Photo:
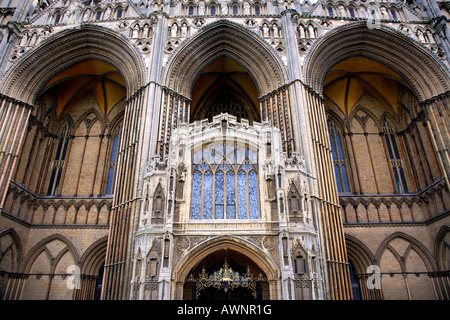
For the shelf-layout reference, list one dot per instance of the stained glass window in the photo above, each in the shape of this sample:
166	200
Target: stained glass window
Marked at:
113	161
58	163
340	165
225	182
395	159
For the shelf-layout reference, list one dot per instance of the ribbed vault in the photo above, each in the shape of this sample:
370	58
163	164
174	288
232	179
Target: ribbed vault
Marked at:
224	38
26	79
421	70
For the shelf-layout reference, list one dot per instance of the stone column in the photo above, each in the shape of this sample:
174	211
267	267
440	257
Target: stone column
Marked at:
14	117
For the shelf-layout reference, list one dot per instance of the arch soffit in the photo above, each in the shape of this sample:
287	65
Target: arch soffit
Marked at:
26	78
224	38
202	250
94	256
421	70
439	245
359	253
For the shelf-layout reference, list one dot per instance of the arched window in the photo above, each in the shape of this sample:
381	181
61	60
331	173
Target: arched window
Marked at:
235	10
119	13
352	12
59	161
112	163
57	18
191	10
257	10
225	182
330	12
213	10
394	14
340	165
395	159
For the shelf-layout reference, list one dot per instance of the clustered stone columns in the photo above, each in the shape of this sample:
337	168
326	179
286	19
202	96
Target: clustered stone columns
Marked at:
14	116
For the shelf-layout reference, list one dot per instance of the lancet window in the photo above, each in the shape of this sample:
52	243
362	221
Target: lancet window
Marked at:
113	160
225	182
60	158
340	164
395	159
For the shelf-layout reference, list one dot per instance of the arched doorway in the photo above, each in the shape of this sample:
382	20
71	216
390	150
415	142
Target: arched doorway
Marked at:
226	275
241	255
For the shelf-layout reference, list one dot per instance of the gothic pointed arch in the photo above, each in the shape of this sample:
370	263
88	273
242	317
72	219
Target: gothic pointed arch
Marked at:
11	249
27	77
224	38
420	249
40	247
94	257
260	258
425	75
442	248
358	253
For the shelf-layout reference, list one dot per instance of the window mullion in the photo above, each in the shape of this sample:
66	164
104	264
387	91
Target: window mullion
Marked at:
213	213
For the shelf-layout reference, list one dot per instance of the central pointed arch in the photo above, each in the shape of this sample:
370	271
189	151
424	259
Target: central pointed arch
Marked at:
224	38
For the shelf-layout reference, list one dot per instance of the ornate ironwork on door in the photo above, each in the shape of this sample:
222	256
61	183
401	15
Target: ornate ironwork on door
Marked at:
226	279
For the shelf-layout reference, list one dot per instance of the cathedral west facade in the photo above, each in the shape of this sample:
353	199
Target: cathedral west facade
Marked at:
224	149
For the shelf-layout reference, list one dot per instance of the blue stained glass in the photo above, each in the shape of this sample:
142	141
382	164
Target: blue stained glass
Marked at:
242	195
397	180
345	177
219	196
402	175
58	151
196	195
114	149
110	180
66	142
58	177
339	147
231	196
253	195
389	146
333	147
338	178
330	11
52	179
394	144
207	195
